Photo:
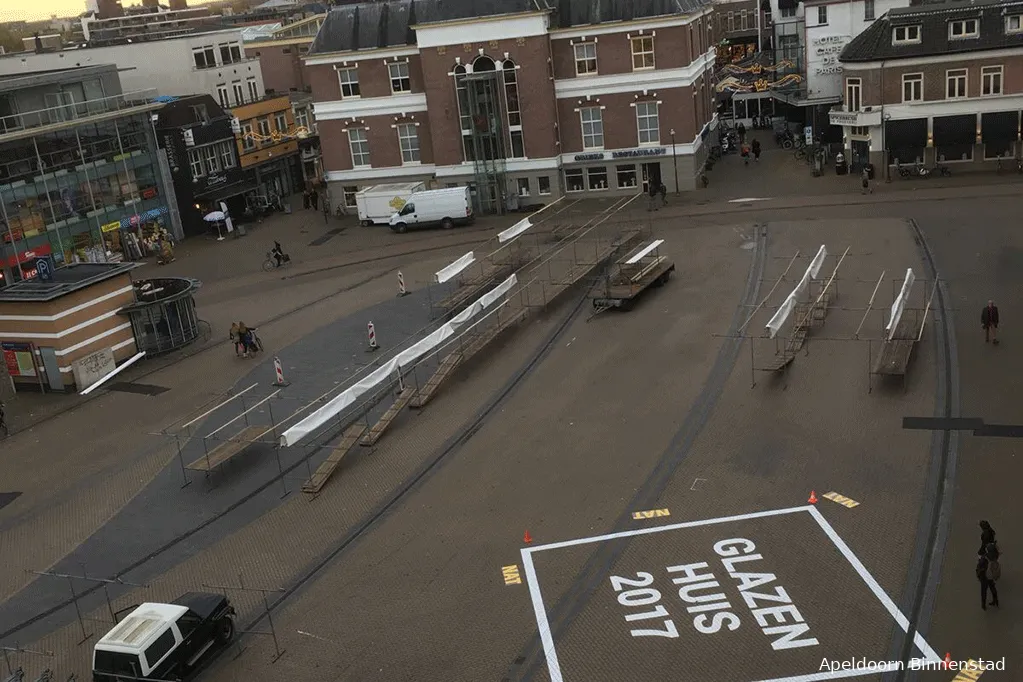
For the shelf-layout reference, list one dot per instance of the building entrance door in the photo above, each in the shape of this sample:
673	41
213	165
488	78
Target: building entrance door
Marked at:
651	173
860	155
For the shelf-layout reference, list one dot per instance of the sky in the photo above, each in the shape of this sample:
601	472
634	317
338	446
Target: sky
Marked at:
34	10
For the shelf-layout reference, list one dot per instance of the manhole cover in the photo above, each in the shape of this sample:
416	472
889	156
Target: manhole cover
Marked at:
7	498
141	389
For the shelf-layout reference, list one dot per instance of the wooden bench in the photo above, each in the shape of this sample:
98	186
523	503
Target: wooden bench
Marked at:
323	472
227	449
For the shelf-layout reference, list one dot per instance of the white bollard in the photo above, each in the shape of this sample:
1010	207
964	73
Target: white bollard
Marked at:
371	330
279	372
402	291
401	382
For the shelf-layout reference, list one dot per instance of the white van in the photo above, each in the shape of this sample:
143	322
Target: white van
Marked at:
445	207
377	204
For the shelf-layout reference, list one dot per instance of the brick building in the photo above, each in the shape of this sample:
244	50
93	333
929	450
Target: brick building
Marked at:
938	82
520	101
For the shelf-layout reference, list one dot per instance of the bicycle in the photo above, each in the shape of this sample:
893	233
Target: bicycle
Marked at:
800	153
270	263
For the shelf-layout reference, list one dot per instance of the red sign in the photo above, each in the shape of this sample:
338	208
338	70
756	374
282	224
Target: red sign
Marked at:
26	256
149	193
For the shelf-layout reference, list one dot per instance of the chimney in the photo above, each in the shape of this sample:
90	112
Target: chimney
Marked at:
110	8
151	4
178	4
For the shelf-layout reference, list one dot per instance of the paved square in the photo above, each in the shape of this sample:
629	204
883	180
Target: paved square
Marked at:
762	597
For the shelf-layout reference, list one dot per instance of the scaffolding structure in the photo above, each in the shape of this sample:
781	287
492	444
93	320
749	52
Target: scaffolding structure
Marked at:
484	93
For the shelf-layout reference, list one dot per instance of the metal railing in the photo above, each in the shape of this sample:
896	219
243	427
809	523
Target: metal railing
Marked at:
73	111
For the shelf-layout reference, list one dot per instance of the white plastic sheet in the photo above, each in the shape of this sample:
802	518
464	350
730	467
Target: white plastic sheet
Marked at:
817	262
645	251
514	231
406	357
777	320
448	272
782	314
900	303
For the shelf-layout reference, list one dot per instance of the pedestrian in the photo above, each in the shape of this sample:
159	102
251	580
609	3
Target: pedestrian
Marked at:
987	536
744	151
865	181
3	420
314	197
989	320
663	190
652	204
742	132
306	201
988	572
756	149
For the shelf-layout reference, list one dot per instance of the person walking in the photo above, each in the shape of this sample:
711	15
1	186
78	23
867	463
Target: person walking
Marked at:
865	181
989	320
987	537
756	149
663	191
652	204
988	573
742	132
3	420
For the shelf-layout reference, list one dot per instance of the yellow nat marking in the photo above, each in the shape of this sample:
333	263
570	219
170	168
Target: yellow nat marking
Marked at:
652	514
971	671
511	575
841	499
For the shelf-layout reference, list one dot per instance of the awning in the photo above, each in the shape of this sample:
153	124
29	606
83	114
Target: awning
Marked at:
227	191
910	133
999	126
146	217
955	130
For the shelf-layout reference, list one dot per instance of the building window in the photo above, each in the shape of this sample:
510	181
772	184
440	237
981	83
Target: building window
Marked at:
596	178
523	184
642	53
212	159
962	28
585	59
226	155
788	12
853	99
626	175
408	142
302	118
400	81
359	144
743	20
239	92
822	14
731	22
230	53
995	150
860	131
647	123
574	179
253	88
349	80
1014	24
281	122
868	10
223	95
511	97
955	83
464	114
204	57
349	192
955	152
543	185
195	162
991	80
200	114
592	127
913	87
248	144
905	34
264	129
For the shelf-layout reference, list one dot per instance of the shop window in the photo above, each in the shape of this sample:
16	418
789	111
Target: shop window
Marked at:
349	80
592	127
585	58
238	91
204	57
1014	24
995	150
350	191
868	10
223	95
906	155
647	123
913	87
195	163
574	179
253	88
596	178
543	185
626	175
359	144
523	184
955	152
962	28
955	83
991	80
642	53
400	81
905	34
408	142
248	143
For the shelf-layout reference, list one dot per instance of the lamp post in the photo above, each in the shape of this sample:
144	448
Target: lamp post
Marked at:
884	147
674	159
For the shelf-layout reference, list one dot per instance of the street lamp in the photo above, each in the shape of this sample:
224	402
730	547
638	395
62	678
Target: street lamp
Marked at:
884	147
674	159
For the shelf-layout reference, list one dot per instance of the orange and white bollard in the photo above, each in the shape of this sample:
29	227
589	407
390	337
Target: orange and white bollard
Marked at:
279	372
372	332
402	291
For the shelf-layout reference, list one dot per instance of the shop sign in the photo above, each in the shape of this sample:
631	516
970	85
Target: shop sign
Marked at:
829	70
110	227
596	156
659	151
25	256
171	149
18	358
843	118
214	180
149	193
189	137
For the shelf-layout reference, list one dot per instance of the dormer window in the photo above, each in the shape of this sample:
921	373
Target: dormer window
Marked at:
962	28
1013	24
905	34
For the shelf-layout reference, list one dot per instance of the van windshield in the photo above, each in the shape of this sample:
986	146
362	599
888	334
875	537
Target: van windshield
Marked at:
406	209
118	663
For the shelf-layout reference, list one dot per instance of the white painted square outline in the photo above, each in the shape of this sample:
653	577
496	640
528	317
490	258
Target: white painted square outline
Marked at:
547	638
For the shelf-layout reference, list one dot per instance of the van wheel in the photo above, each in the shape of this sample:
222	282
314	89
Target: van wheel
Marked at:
447	224
365	223
225	630
401	227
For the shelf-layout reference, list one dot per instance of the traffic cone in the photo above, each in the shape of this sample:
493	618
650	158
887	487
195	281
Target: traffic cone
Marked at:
813	498
948	659
527	538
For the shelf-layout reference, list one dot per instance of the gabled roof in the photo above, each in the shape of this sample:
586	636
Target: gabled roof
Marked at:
875	43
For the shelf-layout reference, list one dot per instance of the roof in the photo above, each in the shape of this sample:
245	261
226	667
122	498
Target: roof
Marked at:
65	281
875	43
366	26
141	627
178	112
588	12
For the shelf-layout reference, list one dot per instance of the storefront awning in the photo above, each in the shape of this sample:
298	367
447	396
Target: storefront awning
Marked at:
910	133
955	130
999	126
146	217
227	191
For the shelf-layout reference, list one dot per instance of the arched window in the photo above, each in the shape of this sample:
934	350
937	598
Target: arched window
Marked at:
483	63
511	99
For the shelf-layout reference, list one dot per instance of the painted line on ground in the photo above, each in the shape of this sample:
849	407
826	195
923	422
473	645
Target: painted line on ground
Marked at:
841	499
744	200
969	674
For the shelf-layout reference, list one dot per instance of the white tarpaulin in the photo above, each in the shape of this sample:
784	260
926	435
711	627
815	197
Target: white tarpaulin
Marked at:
778	319
817	262
900	303
514	231
403	359
785	309
645	251
448	272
